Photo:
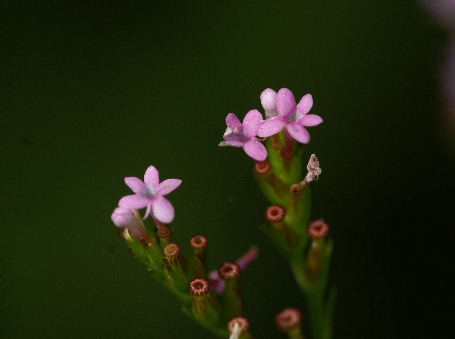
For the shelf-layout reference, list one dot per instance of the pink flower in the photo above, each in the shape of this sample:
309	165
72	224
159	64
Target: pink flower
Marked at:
292	117
150	193
124	217
244	134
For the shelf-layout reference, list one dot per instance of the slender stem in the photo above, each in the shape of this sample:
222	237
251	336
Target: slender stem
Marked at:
320	315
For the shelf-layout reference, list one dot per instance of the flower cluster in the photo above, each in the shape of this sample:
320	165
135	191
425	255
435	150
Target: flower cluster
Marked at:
215	298
281	113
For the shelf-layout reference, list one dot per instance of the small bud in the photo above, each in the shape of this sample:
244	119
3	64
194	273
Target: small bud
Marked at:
178	272
229	271
135	247
198	262
275	213
199	242
232	299
262	167
318	229
164	234
244	261
271	185
289	322
268	101
123	217
205	306
287	153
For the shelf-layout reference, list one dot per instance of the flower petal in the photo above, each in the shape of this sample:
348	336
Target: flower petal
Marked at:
121	217
224	143
152	176
133	202
255	150
167	186
285	102
234	139
310	120
305	104
251	123
298	132
135	184
268	101
271	126
232	121
162	210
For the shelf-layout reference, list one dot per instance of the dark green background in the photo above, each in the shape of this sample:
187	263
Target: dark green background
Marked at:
94	92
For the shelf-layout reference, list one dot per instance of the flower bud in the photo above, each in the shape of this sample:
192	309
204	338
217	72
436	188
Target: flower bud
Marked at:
320	250
232	299
123	217
289	322
198	262
276	214
176	269
318	229
271	185
268	101
164	233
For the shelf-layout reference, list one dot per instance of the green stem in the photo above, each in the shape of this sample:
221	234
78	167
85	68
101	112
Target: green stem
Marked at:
320	314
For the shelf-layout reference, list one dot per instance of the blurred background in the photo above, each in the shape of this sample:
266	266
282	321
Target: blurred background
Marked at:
92	92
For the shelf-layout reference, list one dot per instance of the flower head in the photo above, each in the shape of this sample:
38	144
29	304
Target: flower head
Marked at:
150	194
244	134
294	118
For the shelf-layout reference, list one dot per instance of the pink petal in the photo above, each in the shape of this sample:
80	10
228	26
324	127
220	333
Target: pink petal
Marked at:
135	184
121	217
285	102
305	104
152	176
218	284
162	210
268	101
298	132
251	123
133	202
255	150
310	120
231	140
232	121
271	127
167	186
